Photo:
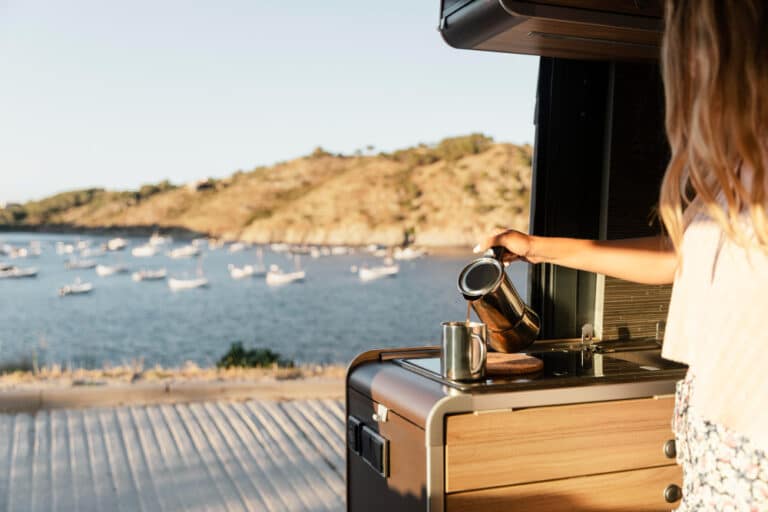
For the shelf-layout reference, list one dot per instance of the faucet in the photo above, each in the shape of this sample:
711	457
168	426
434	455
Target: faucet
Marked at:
587	335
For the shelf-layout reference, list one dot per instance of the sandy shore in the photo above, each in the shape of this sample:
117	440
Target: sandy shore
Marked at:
54	387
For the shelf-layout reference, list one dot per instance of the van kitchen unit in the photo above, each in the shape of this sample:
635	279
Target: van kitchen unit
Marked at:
592	430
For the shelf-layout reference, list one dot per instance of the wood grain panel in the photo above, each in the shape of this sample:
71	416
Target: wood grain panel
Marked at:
652	8
546	443
632	310
555	38
626	491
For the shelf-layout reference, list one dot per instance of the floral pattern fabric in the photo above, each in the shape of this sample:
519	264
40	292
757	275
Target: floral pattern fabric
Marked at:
722	470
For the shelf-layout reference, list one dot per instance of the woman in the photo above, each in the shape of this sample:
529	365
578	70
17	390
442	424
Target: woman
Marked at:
713	205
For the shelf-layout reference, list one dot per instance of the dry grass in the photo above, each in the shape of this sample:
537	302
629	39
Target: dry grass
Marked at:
353	200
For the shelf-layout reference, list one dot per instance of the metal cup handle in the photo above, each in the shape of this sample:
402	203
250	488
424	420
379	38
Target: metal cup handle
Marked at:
483	353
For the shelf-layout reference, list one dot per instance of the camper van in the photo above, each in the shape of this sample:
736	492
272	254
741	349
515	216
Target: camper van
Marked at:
591	429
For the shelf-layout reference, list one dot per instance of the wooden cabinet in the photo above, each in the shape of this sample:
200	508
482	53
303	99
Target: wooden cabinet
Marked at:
593	456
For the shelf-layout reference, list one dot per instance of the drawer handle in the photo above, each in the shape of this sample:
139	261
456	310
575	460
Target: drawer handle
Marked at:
673	493
670	449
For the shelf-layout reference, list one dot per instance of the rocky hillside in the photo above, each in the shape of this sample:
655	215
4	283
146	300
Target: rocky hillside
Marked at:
447	194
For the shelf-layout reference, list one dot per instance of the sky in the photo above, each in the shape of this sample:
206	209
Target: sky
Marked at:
117	94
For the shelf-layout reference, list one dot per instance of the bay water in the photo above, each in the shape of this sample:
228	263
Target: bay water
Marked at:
328	318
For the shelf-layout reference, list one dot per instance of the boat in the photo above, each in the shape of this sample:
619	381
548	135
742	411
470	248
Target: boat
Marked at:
372	273
157	239
117	244
175	283
279	247
186	251
110	270
76	288
340	250
17	272
63	248
276	277
5	266
144	251
75	264
236	247
187	284
408	254
149	275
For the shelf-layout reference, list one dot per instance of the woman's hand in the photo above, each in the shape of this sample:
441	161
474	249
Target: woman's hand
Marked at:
649	260
517	245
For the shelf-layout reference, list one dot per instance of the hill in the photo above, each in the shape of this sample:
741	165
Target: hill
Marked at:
446	194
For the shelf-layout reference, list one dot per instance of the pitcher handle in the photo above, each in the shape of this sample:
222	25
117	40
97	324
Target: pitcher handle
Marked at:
483	353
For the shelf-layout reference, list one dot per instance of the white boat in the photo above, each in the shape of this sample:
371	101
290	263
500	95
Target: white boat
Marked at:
17	272
62	248
75	264
157	239
76	288
339	251
408	254
246	271
5	266
175	283
187	284
110	270
372	273
149	275
279	247
199	242
276	276
186	251
236	247
117	244
144	251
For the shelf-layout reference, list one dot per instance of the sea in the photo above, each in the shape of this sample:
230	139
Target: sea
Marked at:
327	319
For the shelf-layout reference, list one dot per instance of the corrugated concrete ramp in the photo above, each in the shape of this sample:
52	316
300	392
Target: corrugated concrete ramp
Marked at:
233	456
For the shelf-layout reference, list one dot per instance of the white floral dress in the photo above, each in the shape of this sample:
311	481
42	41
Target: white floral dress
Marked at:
722	470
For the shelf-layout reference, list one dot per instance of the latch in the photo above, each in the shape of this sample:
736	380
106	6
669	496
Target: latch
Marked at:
381	413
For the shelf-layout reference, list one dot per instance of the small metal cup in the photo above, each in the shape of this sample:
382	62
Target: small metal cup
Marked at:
463	350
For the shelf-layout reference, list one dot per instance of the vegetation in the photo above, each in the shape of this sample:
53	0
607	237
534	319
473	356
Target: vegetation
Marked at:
238	356
23	364
453	191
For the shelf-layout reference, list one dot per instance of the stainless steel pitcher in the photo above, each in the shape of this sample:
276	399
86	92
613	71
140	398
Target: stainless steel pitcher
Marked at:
512	325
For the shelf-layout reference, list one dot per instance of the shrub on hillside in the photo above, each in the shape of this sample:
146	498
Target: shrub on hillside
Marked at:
449	150
238	356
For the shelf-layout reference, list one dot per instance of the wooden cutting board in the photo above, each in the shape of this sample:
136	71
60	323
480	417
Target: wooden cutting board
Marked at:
499	364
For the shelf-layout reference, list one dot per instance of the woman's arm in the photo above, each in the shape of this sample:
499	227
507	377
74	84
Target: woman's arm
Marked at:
650	260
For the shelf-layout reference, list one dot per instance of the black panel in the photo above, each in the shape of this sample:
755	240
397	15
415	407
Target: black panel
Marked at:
569	159
639	151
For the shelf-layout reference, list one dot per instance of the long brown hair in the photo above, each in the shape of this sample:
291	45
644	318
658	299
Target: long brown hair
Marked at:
715	67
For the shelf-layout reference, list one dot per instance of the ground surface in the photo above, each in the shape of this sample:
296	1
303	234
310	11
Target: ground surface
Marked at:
213	455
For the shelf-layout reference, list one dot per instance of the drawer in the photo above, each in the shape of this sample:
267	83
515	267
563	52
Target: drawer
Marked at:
548	443
636	490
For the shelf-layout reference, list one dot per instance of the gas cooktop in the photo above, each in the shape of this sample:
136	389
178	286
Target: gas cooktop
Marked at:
562	367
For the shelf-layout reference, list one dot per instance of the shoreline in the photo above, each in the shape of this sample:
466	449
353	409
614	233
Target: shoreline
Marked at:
53	388
186	234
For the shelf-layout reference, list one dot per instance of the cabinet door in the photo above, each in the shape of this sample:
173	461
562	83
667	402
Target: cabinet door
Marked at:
626	491
548	443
